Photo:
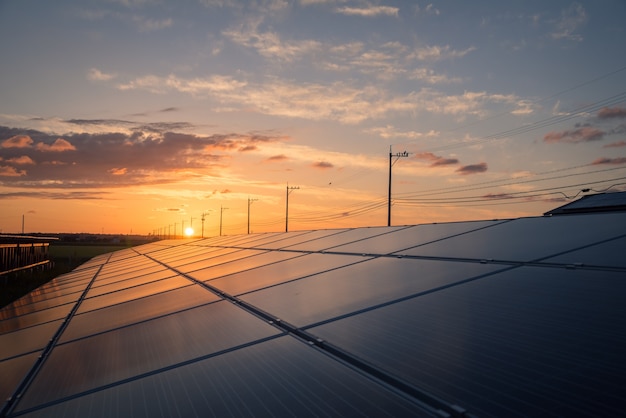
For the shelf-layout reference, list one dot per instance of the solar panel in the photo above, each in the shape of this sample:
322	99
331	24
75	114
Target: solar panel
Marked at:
520	317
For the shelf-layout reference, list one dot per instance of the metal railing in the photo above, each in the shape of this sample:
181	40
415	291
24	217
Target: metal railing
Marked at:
22	253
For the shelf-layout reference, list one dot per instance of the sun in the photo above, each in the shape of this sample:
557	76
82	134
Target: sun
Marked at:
188	232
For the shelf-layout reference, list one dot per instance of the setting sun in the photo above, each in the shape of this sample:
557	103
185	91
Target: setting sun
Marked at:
188	232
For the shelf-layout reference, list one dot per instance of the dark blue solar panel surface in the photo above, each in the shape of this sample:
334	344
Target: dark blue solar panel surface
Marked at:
519	317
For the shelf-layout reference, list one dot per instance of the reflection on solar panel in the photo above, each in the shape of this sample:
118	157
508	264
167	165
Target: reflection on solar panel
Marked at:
519	317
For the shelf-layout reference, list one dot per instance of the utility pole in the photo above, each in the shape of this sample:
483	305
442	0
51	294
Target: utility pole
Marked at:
391	163
22	224
250	203
222	209
289	190
202	218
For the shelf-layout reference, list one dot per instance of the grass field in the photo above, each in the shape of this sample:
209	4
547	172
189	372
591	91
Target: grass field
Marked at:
64	257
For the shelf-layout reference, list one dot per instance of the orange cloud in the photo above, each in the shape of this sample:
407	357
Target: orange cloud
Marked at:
118	171
7	171
280	157
24	159
322	165
59	145
18	141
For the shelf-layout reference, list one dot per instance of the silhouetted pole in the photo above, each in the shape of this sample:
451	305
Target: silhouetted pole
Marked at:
250	203
203	216
289	190
22	224
391	163
222	209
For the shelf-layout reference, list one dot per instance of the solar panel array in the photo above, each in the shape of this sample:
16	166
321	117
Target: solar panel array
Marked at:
520	317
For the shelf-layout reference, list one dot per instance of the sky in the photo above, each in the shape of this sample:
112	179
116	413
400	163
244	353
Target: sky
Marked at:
146	116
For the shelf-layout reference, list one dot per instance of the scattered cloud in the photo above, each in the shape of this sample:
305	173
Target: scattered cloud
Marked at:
571	19
498	196
436	160
612	113
389	132
117	159
322	165
59	145
17	141
611	161
73	195
371	11
96	75
472	169
618	144
438	53
118	171
248	148
24	159
8	171
578	135
276	158
430	77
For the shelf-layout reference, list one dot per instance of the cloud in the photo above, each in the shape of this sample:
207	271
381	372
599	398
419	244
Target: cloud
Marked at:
583	134
435	160
59	145
215	84
438	53
248	148
498	196
346	102
276	158
269	44
473	169
611	161
323	165
78	195
429	76
618	144
612	113
96	75
24	159
118	171
389	131
169	109
371	11
570	21
17	141
8	171
119	159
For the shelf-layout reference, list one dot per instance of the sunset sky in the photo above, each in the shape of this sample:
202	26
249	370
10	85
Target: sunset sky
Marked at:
134	116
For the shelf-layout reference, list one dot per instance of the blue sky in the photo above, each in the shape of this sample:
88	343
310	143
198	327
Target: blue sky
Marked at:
120	115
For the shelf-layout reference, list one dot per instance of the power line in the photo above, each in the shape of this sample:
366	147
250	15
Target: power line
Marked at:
457	189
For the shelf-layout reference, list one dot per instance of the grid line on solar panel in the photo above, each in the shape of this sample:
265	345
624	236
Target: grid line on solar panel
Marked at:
527	239
132	312
134	292
41	360
254	259
143	348
534	335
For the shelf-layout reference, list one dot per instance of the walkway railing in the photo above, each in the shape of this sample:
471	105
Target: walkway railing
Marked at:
22	253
